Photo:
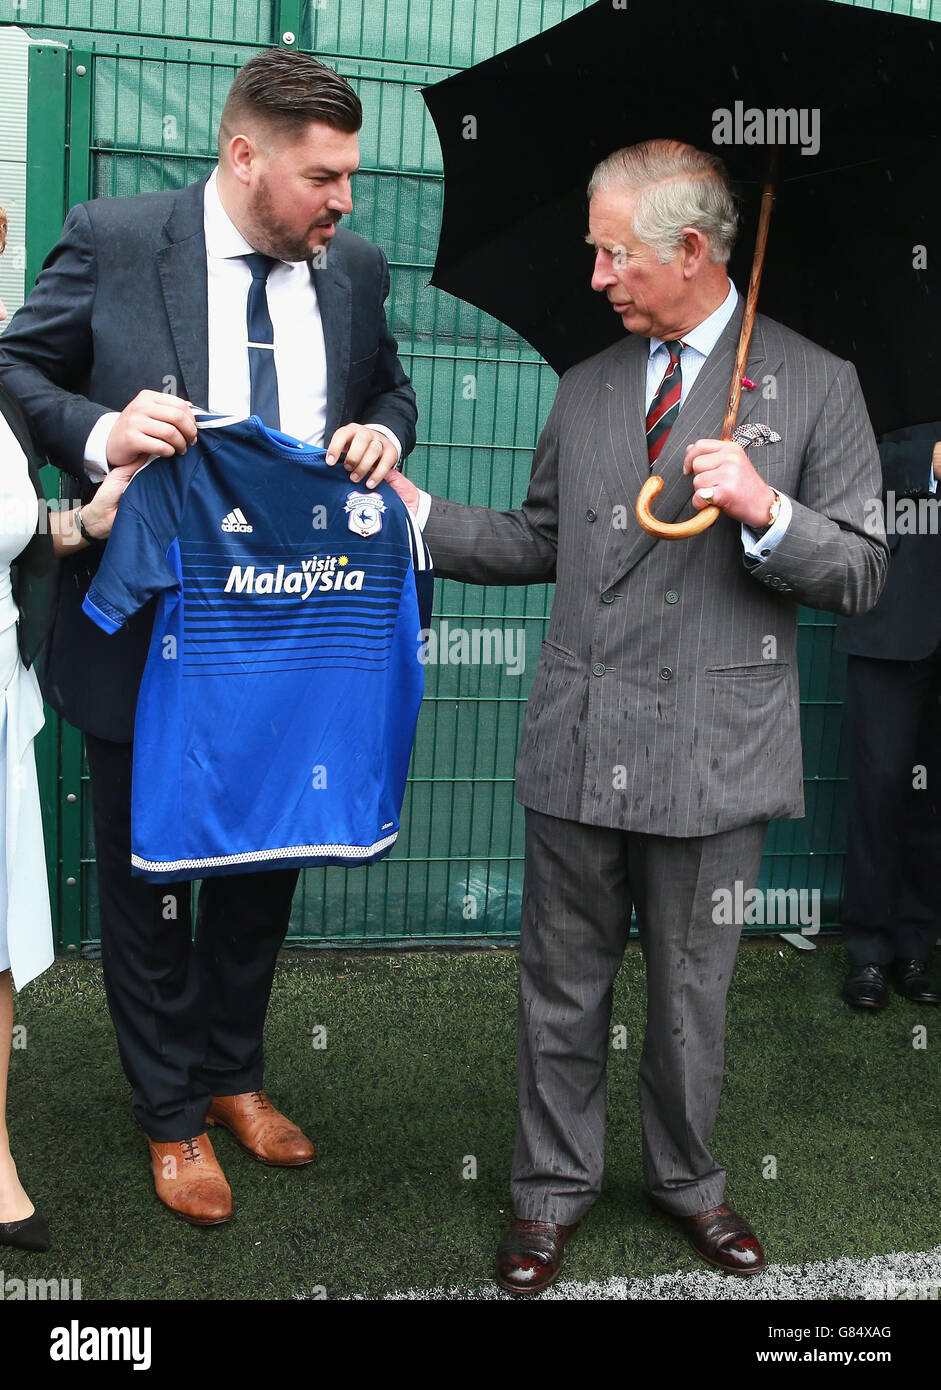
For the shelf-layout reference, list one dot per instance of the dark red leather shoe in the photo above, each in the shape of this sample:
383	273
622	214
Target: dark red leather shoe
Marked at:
725	1239
529	1257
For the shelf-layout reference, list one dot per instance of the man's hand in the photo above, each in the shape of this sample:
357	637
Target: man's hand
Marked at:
936	459
367	452
737	489
153	423
406	490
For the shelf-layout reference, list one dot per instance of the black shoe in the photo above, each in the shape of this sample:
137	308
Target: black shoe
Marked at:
912	980
32	1233
866	986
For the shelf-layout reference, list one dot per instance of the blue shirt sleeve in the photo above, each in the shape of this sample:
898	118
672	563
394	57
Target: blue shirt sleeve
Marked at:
135	566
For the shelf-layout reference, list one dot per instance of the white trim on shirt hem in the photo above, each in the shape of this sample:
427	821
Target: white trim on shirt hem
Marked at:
262	856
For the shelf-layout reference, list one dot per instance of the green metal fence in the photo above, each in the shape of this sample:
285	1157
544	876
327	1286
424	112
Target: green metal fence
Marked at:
124	97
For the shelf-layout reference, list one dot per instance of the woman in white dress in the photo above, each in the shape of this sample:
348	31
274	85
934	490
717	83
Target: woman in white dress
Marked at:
26	946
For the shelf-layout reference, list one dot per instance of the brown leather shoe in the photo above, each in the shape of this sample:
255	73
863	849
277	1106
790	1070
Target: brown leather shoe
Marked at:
725	1239
529	1257
189	1180
261	1130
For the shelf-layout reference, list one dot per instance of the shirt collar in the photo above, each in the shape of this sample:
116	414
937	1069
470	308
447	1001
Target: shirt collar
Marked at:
223	238
706	334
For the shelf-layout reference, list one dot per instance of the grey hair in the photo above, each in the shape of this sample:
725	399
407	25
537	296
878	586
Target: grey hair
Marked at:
678	187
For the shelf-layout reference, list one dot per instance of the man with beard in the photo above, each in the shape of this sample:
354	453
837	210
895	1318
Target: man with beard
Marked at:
222	296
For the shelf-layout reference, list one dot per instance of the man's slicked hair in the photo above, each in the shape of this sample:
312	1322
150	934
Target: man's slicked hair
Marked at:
677	186
287	91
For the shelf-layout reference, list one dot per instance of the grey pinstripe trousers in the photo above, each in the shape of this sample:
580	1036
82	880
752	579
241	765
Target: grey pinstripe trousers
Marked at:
581	882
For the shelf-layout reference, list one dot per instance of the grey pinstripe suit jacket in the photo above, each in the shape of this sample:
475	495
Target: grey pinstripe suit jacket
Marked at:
666	696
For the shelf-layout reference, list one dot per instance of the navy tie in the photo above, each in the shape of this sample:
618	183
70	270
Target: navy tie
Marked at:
261	368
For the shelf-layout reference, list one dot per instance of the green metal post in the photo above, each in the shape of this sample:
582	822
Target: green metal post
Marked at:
287	23
47	80
47	87
71	891
70	887
58	175
79	128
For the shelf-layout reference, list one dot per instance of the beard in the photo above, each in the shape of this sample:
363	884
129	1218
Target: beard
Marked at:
272	237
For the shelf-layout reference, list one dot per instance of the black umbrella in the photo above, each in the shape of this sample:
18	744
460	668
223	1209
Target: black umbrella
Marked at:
848	100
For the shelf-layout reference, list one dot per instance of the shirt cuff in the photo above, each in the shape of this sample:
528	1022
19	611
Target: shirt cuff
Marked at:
96	607
424	509
381	429
932	482
759	547
96	447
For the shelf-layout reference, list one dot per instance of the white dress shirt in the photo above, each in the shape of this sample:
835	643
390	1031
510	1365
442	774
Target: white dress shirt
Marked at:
299	353
699	342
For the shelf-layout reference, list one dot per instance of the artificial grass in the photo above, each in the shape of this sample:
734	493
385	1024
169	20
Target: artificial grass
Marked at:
416	1077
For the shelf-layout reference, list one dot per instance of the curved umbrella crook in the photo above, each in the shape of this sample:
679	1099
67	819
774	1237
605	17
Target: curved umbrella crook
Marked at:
679	530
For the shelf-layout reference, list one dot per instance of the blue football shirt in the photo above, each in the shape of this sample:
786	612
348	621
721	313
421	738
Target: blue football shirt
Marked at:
279	700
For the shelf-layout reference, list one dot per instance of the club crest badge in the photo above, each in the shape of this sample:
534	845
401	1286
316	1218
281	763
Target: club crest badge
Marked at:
364	510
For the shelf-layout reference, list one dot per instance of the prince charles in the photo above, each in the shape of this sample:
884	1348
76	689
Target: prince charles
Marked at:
662	730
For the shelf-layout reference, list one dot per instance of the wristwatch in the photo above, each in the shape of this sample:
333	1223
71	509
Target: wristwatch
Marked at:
85	535
773	510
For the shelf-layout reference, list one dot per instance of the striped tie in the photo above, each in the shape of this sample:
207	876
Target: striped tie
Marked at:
665	405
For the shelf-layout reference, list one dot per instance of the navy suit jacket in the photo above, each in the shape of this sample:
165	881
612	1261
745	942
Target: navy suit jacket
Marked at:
121	304
905	624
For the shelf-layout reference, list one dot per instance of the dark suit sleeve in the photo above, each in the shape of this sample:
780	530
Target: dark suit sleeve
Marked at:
392	400
47	350
906	466
482	546
906	470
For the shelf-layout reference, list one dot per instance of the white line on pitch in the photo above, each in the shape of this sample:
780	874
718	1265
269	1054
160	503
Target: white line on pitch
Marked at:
903	1275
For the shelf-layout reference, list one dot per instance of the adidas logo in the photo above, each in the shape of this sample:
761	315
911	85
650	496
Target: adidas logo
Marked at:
235	521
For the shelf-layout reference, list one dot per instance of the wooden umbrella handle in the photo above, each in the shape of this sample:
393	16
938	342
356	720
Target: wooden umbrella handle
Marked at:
678	530
669	530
